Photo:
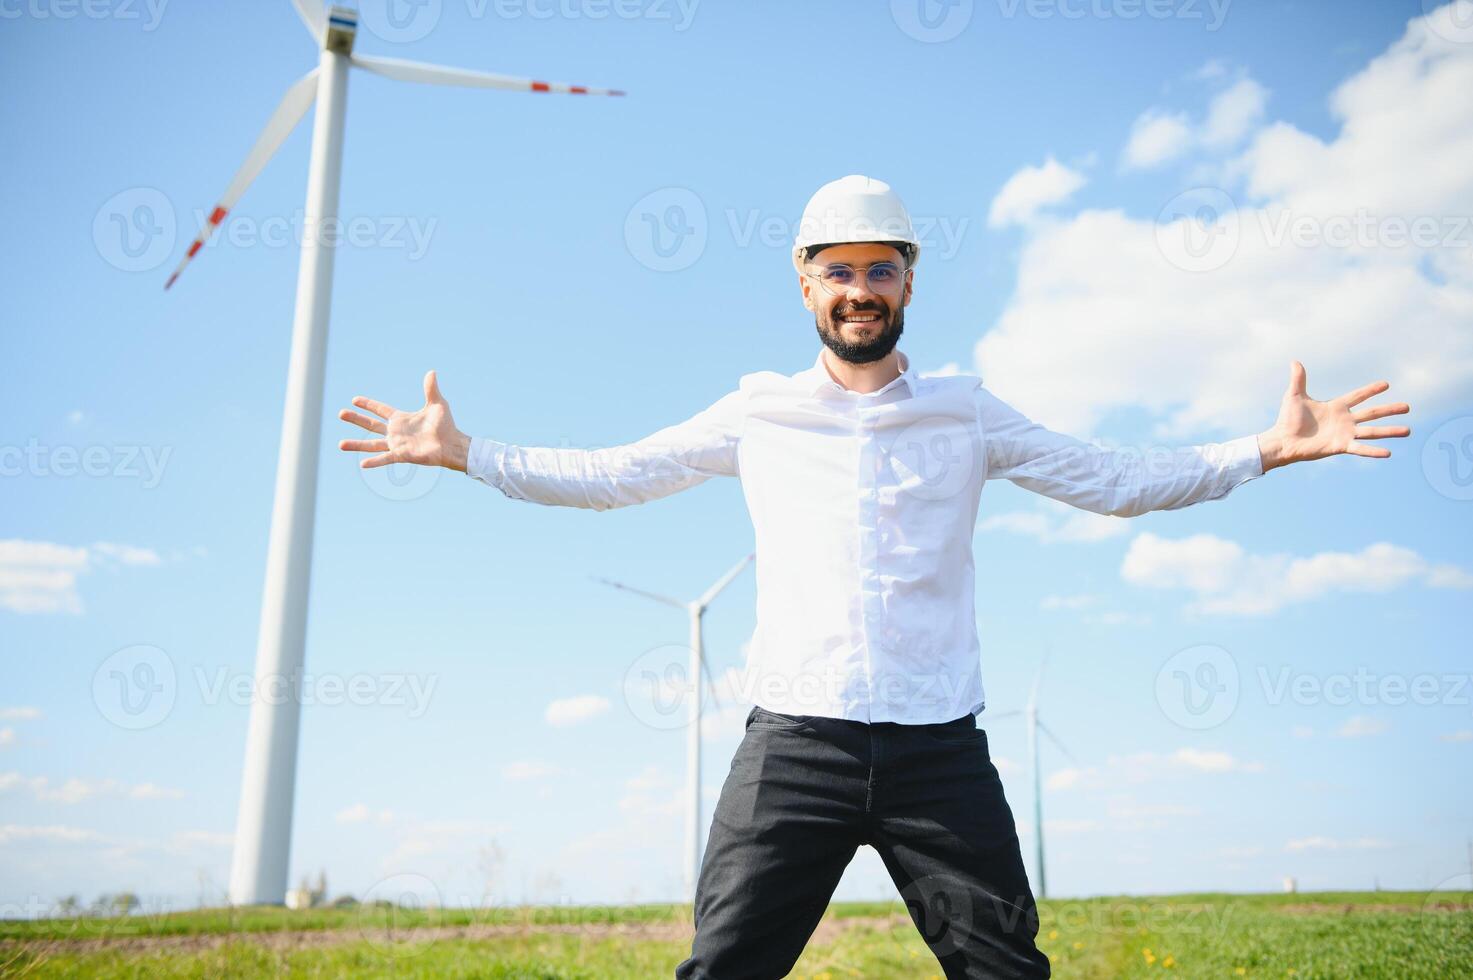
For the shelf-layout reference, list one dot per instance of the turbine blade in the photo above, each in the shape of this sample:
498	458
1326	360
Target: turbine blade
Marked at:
710	682
1057	744
723	582
648	595
293	107
414	71
312	15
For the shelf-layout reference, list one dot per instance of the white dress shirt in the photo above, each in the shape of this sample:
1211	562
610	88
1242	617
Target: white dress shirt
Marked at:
864	506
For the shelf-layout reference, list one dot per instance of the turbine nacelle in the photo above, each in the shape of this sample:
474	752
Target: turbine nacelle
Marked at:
342	27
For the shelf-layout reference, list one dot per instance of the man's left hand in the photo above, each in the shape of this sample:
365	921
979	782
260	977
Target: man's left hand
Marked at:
1309	429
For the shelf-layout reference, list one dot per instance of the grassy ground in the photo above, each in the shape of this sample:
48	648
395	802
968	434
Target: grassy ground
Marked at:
1381	934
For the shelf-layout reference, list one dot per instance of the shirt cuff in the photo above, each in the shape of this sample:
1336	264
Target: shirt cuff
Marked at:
1241	460
483	461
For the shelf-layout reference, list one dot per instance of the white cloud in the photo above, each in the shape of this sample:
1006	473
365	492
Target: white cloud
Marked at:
1330	844
41	576
1233	114
76	790
7	737
527	769
1229	580
19	713
571	711
1102	321
1055	521
1143	767
12	833
1157	137
1031	189
1362	725
1462	735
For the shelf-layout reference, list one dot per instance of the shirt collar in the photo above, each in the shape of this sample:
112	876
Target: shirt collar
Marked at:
817	378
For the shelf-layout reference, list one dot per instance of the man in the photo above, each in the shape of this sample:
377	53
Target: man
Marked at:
862	480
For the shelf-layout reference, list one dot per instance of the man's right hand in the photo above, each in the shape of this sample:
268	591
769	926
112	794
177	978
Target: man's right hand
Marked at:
427	437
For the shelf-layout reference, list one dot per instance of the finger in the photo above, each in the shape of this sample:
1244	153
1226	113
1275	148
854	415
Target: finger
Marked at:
373	461
1380	412
1364	391
1297	379
432	388
376	407
364	445
1375	452
372	425
1381	431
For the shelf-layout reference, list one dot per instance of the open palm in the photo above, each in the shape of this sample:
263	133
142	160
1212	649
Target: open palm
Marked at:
427	437
1309	429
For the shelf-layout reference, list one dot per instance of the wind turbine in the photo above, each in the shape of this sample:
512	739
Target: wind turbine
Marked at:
1035	725
263	824
697	611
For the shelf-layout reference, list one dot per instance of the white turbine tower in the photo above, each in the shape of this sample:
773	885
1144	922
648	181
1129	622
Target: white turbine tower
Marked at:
697	612
263	825
1035	725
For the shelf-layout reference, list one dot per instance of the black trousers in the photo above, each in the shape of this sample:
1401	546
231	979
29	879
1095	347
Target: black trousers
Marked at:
805	792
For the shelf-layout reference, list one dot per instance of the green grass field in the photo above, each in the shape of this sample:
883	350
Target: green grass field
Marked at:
1361	934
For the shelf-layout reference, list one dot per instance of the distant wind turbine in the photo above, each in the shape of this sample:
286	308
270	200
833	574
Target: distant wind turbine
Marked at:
1035	725
263	825
697	611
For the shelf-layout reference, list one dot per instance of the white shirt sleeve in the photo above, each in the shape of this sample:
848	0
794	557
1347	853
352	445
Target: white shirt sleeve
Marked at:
1122	483
675	458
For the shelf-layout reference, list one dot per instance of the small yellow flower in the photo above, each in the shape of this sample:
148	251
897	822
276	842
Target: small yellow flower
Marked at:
1169	962
914	954
1149	957
1078	945
1241	971
1053	934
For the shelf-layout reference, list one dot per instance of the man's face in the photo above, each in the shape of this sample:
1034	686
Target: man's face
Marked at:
857	323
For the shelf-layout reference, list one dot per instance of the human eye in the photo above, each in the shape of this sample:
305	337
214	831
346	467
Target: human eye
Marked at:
839	274
883	272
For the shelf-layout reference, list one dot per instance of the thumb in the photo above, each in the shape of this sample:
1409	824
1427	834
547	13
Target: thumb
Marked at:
432	388
1296	379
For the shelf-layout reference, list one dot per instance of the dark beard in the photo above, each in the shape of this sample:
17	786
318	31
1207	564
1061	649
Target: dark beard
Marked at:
869	351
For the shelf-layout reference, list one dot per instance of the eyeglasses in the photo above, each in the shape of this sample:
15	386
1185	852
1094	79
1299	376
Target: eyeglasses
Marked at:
882	277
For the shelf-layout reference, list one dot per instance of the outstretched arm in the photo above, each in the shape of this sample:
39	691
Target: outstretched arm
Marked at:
674	458
1307	429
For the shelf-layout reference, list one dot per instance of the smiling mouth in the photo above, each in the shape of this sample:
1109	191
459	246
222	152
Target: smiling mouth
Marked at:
860	318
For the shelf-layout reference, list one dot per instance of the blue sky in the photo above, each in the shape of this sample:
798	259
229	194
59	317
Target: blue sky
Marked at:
506	242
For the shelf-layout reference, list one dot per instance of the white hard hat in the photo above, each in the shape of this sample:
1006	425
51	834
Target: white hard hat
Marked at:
855	209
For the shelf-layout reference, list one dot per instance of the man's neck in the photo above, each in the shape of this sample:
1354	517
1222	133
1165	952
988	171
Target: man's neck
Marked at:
863	378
